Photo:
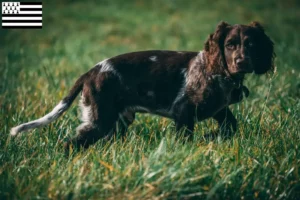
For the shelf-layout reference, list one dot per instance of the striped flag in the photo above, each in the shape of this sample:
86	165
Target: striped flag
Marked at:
22	15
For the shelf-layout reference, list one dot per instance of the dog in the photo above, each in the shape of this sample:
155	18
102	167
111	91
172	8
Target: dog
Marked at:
182	85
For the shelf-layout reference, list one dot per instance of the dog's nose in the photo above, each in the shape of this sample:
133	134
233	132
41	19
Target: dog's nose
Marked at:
244	65
242	62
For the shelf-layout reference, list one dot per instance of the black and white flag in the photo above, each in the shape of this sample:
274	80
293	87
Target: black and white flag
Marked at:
22	15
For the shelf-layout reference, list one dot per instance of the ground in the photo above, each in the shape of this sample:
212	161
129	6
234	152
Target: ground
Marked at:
38	67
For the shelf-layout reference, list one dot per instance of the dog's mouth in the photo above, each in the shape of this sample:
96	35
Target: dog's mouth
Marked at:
241	72
238	75
244	68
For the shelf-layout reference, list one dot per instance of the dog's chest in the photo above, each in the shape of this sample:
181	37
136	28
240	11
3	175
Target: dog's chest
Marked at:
222	87
211	96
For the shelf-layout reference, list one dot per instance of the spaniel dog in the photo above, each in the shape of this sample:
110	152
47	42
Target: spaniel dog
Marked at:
182	85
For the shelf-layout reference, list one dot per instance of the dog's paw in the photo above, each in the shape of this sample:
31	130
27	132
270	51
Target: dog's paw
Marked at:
245	91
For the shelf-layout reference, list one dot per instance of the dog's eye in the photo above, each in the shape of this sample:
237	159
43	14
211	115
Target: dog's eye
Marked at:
249	44
230	46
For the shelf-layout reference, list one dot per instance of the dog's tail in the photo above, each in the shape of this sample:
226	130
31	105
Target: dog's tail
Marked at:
57	111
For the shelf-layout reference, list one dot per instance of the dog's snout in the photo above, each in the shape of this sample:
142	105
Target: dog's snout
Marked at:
244	64
240	61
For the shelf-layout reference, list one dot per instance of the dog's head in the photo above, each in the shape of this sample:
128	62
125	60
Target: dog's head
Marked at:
240	49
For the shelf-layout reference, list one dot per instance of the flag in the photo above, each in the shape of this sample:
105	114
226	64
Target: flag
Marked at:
22	15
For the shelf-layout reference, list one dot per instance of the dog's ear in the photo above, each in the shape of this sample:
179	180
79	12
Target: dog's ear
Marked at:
264	50
214	45
215	39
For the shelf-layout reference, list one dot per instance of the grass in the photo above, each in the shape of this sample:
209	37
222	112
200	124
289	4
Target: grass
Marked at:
38	67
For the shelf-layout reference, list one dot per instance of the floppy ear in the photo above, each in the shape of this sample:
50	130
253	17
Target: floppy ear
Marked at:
214	46
264	60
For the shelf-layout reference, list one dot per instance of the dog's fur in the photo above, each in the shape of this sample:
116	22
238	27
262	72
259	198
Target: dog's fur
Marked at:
183	86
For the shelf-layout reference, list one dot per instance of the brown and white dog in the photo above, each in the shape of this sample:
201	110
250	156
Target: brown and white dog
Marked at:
181	85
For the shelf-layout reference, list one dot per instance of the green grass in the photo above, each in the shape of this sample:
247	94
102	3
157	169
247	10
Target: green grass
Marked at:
38	67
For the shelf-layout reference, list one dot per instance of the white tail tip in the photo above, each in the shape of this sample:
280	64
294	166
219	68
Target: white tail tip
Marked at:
14	131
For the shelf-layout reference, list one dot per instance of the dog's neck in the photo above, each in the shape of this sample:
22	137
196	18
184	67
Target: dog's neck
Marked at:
217	69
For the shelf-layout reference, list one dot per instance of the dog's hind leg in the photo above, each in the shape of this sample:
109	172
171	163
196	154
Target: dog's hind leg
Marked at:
100	126
126	118
99	111
87	134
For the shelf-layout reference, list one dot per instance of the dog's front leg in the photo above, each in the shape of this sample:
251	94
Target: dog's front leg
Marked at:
227	123
125	120
184	118
238	94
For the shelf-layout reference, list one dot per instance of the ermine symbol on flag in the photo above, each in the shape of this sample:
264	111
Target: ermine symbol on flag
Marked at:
22	15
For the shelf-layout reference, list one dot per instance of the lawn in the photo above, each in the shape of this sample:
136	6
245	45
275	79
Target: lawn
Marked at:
38	67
